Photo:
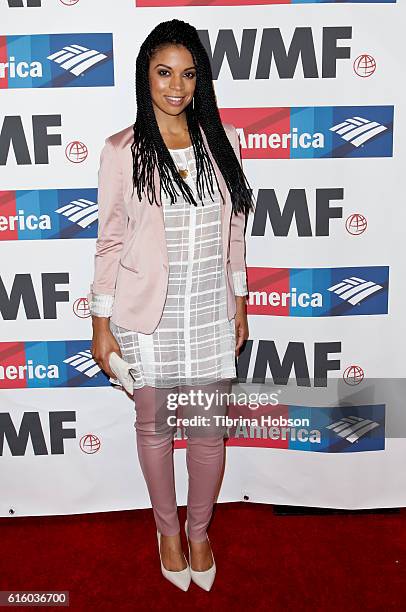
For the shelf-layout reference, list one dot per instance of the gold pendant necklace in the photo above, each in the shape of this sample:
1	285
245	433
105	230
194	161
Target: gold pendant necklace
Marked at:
183	172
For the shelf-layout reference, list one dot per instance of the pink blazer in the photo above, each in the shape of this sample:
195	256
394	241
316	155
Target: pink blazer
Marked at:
131	259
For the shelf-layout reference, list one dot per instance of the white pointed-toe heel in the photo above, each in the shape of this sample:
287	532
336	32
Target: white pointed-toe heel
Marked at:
180	579
205	578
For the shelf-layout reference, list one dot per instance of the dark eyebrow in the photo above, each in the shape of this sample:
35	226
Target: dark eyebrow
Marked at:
165	66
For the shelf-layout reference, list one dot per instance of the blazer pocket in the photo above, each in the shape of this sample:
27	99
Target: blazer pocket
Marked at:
127	267
128	257
129	244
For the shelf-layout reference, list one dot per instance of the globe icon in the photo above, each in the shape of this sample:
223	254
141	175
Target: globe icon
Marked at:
356	224
364	65
76	151
81	308
90	444
353	375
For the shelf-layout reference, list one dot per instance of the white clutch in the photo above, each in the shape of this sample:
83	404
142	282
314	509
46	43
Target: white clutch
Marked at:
124	372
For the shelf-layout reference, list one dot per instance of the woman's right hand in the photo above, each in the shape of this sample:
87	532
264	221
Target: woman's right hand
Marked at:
103	343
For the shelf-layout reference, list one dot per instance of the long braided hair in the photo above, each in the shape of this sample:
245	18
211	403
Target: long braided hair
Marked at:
148	148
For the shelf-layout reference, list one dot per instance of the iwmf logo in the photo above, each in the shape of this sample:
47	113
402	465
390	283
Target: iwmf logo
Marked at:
24	3
13	136
36	3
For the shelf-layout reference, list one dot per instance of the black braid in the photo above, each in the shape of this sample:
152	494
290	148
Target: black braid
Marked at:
148	148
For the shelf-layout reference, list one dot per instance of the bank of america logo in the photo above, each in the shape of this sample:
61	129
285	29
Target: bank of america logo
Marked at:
77	59
83	362
81	211
358	130
352	428
354	289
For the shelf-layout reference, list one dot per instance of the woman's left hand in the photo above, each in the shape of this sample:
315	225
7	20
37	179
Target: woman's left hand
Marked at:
241	324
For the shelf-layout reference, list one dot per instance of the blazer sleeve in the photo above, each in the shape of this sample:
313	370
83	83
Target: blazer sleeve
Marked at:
111	230
237	239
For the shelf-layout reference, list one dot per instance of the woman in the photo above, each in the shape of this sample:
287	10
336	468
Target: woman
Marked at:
169	286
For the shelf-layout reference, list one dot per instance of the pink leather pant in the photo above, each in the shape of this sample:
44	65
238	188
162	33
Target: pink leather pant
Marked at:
204	454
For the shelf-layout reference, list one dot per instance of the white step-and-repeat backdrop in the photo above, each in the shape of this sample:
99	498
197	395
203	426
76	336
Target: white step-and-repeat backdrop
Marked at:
316	92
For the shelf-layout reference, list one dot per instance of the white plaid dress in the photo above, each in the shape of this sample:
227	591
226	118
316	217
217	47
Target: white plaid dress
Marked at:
194	342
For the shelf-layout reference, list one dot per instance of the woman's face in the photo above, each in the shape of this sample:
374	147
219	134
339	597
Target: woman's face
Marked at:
172	79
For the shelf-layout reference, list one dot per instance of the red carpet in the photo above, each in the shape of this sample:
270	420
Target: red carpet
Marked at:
109	561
